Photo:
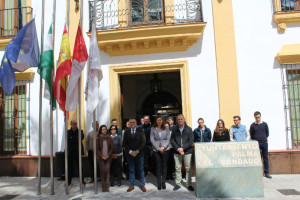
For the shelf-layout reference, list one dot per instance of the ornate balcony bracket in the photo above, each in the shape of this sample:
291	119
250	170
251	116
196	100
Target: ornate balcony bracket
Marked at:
147	40
282	18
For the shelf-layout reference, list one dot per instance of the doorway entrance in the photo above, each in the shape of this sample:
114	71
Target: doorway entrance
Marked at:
144	73
150	94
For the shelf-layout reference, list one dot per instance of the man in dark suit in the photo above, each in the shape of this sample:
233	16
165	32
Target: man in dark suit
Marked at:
134	142
182	141
73	150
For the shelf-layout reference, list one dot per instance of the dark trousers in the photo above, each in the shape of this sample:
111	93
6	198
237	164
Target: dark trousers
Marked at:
171	164
104	171
148	164
91	163
116	169
73	158
161	160
264	152
139	163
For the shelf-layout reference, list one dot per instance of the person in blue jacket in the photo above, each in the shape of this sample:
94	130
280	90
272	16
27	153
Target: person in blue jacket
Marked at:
202	133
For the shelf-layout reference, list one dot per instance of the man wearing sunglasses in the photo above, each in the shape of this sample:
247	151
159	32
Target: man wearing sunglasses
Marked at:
259	131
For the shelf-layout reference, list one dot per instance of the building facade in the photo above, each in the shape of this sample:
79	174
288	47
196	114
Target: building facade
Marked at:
211	59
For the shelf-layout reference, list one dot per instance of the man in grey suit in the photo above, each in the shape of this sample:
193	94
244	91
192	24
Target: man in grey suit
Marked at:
182	141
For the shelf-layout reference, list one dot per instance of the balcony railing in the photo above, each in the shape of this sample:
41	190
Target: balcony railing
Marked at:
289	5
116	14
12	20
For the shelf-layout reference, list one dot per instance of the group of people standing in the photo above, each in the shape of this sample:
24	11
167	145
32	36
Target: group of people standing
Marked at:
259	131
168	144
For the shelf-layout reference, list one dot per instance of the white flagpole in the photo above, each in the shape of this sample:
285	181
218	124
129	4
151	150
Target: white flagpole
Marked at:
40	115
94	119
51	102
79	112
66	120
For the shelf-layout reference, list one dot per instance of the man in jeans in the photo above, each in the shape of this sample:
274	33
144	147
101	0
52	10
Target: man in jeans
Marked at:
182	141
259	131
134	142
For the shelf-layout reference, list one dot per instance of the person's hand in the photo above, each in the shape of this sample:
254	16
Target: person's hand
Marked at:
181	153
180	149
133	153
114	156
103	157
161	149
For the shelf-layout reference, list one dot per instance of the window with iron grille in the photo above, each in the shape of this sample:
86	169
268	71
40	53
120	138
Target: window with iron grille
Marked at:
14	14
14	120
289	5
114	14
291	93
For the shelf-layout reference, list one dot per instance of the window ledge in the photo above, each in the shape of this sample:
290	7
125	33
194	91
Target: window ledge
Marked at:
289	54
282	18
26	75
147	40
4	42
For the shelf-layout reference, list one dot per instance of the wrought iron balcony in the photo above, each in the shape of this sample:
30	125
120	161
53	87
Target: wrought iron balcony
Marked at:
286	11
289	5
12	20
118	14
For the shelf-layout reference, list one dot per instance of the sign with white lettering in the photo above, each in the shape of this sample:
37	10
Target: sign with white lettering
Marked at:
228	170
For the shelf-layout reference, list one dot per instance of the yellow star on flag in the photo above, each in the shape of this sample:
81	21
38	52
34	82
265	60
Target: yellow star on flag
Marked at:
21	52
18	61
5	59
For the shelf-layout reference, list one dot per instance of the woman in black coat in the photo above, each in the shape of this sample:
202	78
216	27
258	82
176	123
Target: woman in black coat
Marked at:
221	134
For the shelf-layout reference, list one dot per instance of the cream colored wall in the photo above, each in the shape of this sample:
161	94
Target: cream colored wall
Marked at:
227	68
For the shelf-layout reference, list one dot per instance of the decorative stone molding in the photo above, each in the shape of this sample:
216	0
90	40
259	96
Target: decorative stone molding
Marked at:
289	54
147	40
4	42
26	75
282	18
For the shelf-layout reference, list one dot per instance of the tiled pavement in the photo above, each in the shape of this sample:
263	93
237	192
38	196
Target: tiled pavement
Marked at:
26	188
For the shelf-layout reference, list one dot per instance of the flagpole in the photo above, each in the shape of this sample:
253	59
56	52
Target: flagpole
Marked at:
79	112
51	102
66	119
94	119
40	115
94	152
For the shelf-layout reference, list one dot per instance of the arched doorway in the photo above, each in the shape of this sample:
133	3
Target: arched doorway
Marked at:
161	103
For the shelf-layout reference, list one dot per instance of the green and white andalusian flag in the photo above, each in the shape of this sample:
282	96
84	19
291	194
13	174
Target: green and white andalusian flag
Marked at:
46	66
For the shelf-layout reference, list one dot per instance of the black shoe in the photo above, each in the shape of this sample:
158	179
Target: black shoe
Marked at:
159	187
163	186
112	184
191	188
176	187
268	176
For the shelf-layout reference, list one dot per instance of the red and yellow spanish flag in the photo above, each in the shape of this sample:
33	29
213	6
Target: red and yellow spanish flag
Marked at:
64	67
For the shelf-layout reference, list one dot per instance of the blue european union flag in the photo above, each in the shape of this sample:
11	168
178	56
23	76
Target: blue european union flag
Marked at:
23	50
7	75
21	53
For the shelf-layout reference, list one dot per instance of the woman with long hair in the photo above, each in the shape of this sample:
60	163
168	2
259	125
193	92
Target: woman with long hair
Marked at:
160	139
221	133
105	149
116	163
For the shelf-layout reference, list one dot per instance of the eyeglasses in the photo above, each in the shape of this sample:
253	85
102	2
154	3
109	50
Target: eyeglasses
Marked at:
235	120
257	117
113	129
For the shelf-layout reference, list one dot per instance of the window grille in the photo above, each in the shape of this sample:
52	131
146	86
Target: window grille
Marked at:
15	119
290	75
289	5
